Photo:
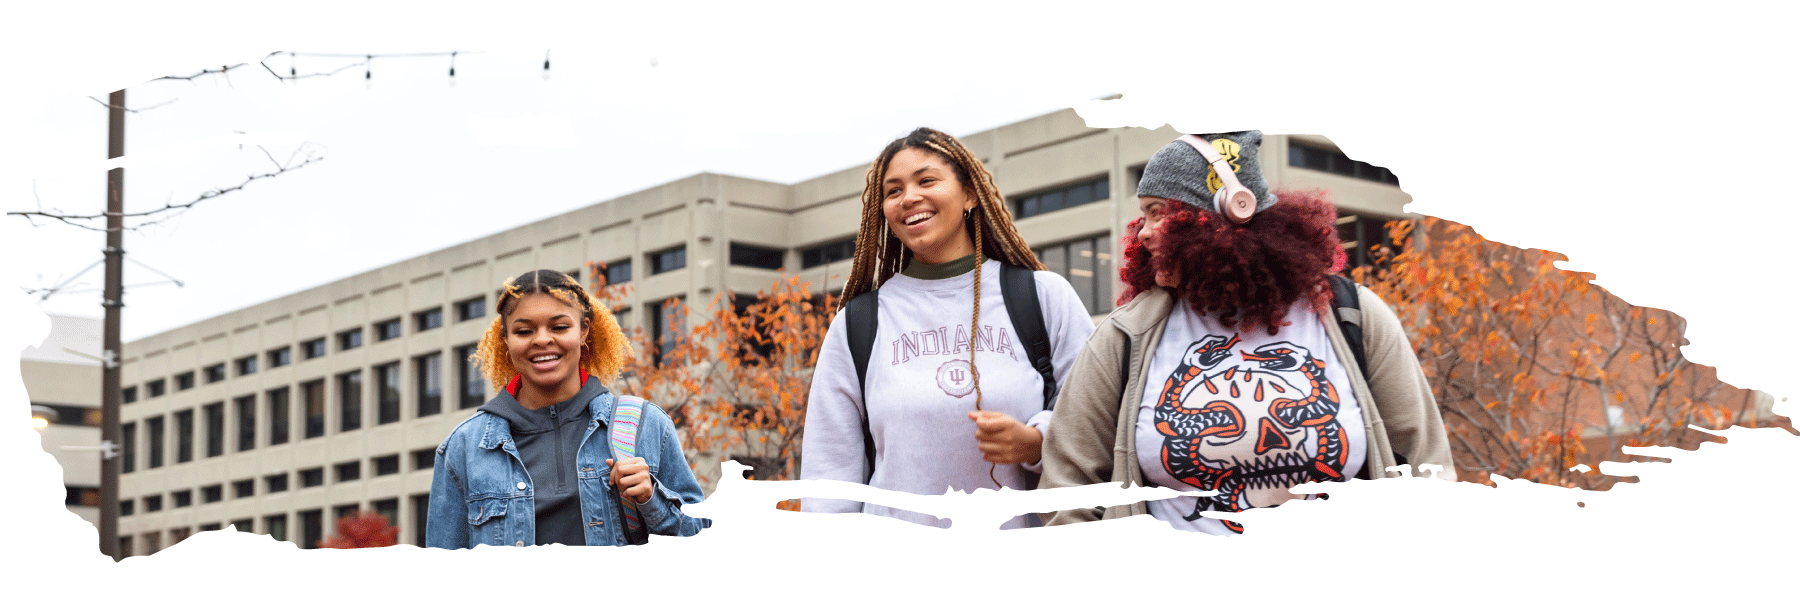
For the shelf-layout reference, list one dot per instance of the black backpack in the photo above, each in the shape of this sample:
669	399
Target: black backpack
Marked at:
1018	287
1349	313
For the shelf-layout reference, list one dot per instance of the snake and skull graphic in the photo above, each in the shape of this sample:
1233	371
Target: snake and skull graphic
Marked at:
1255	425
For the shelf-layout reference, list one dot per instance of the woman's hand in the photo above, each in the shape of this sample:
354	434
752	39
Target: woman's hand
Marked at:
632	479
1004	440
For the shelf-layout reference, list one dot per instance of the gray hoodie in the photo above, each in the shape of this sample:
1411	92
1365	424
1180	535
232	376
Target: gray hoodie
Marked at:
547	439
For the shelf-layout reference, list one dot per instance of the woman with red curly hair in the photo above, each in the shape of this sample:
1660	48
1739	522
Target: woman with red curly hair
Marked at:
1224	368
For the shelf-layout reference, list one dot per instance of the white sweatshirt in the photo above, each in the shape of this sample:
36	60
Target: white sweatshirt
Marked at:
920	394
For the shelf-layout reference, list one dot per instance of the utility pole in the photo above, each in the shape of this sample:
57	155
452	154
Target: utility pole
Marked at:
109	357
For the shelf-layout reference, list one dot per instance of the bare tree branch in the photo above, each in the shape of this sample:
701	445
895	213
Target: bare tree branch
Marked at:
306	154
132	110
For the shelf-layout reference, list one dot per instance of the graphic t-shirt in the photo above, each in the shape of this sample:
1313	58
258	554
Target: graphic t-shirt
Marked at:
920	389
1245	413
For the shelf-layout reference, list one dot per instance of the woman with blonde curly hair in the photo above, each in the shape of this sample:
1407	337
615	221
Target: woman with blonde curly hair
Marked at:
535	464
946	394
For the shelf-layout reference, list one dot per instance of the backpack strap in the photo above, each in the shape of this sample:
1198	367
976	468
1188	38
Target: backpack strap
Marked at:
1018	287
1349	314
1344	302
622	430
862	315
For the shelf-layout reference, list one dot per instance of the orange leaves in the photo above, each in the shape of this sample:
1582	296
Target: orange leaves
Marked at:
365	529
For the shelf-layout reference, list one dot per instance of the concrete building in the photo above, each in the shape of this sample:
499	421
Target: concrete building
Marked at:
62	379
279	417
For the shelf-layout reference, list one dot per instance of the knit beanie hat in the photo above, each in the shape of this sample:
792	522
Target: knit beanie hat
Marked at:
1178	172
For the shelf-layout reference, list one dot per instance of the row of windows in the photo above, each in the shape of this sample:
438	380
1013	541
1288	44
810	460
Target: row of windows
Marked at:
422	459
1061	197
1332	161
276	405
311	524
473	308
1088	265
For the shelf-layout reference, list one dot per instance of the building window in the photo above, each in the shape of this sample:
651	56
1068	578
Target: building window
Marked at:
276	527
209	527
152	542
1360	236
428	383
618	271
246	422
81	496
342	511
668	260
386	465
276	483
471	387
212	493
665	324
387	393
421	507
313	477
128	395
349	388
387	330
313	394
242	525
826	253
351	338
428	319
313	348
153	503
185	380
1335	162
278	416
215	428
126	507
1088	265
128	454
1067	196
178	534
280	357
125	545
153	388
389	509
182	498
245	365
184	436
243	488
153	429
312	528
473	308
745	255
215	373
424	458
349	471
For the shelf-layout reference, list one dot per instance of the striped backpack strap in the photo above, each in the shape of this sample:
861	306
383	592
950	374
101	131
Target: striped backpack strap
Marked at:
622	430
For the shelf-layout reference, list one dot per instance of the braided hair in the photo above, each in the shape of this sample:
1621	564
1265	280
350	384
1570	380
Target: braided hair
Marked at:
603	348
879	255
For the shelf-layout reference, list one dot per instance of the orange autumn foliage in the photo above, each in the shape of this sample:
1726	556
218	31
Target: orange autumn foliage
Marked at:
1535	369
365	529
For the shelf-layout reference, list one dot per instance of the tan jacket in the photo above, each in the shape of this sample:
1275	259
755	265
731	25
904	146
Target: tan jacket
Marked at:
1091	440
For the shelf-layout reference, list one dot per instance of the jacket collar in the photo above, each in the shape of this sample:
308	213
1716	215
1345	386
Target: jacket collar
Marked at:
1149	309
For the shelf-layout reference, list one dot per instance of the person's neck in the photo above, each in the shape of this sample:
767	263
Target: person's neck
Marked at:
920	269
532	397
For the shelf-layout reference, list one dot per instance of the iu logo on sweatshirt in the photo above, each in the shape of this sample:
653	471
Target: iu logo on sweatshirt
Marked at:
954	378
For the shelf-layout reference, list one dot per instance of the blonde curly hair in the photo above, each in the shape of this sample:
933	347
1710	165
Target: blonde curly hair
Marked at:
603	352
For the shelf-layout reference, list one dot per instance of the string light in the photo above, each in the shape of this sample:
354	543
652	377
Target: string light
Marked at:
546	65
368	71
453	69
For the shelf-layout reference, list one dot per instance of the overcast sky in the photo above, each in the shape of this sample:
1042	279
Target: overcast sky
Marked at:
1639	158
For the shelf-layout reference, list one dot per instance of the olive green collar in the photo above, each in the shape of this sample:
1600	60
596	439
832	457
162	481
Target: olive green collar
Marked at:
918	269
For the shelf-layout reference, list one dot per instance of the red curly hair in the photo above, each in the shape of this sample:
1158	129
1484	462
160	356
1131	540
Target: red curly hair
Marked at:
1249	274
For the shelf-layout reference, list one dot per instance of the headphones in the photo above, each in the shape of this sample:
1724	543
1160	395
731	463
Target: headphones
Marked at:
1233	200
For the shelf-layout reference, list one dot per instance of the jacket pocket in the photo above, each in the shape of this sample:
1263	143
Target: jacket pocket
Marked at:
487	522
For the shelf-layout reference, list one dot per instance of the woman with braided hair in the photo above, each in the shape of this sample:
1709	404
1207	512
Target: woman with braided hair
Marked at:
946	396
1226	367
534	464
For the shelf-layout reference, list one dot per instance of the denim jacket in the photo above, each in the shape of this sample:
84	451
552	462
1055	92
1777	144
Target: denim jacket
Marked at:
481	492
